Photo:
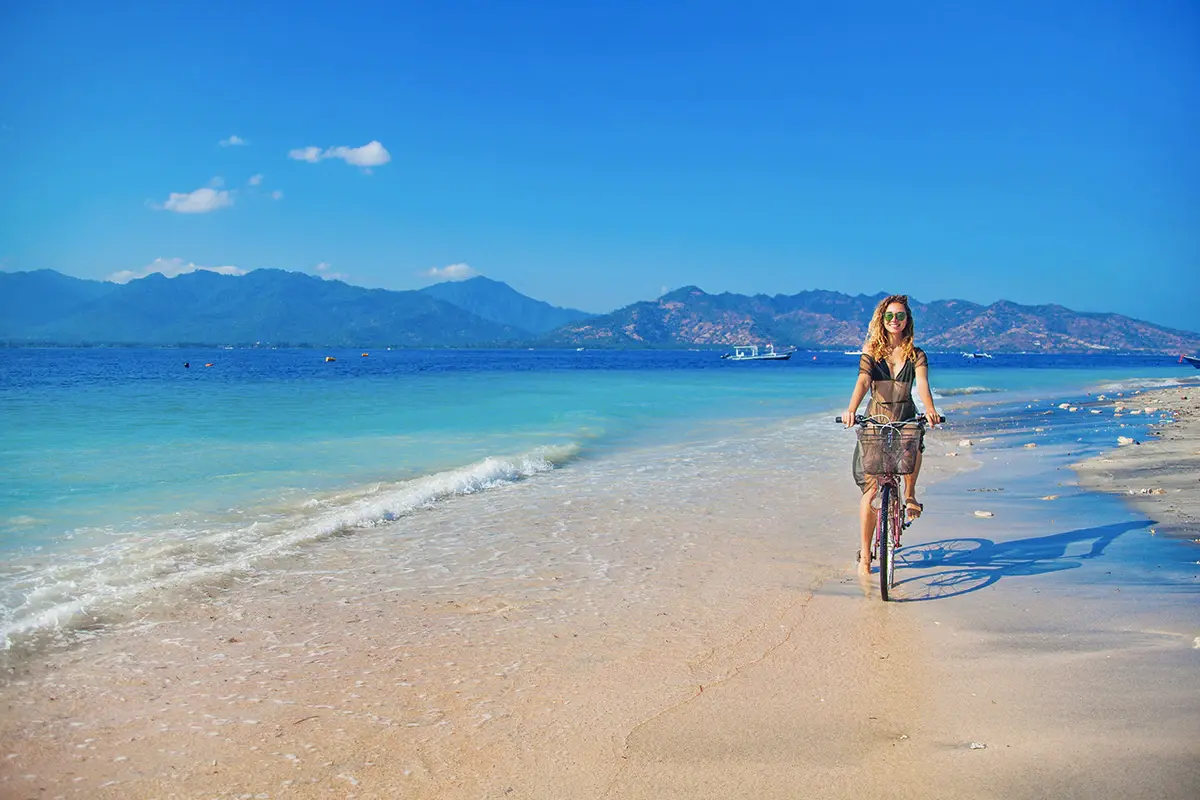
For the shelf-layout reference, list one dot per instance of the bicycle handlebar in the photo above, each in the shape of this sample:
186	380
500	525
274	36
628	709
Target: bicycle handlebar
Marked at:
859	419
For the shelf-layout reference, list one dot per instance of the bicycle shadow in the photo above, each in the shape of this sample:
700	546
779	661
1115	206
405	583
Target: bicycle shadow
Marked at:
954	567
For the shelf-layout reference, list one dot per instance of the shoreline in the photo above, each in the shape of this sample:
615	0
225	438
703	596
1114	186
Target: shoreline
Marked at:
1159	474
666	647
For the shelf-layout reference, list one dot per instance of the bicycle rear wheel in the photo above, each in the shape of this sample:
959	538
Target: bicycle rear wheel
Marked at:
884	541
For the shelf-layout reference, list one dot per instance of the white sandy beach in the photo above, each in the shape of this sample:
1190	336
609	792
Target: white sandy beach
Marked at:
1161	474
662	648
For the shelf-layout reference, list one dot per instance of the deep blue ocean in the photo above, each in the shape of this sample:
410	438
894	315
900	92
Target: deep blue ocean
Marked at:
123	469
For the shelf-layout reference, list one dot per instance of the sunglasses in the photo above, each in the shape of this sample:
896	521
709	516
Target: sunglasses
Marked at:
899	316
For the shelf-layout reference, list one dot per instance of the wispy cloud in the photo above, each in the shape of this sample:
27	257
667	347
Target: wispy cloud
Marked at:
232	141
277	194
200	201
453	272
255	180
170	267
310	154
372	154
325	272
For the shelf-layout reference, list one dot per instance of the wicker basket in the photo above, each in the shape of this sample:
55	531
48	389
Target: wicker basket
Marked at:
888	450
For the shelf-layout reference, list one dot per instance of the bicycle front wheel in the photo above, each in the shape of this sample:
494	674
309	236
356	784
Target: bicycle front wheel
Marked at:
883	540
895	528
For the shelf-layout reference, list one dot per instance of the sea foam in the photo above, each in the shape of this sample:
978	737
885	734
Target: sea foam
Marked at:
95	586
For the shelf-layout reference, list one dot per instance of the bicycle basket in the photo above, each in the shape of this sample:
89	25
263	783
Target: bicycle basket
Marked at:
888	450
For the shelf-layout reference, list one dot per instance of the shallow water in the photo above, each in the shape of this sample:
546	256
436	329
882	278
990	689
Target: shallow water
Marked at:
130	479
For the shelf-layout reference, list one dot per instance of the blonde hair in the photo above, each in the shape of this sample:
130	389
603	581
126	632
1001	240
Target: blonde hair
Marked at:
877	344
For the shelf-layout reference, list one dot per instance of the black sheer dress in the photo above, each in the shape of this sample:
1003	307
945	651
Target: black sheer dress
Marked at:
891	397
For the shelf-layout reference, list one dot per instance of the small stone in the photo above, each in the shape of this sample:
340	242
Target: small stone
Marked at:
1124	440
984	514
1050	497
965	443
1031	444
978	746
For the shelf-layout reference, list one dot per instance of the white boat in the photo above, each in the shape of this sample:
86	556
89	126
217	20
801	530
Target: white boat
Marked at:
1195	362
852	352
977	355
750	352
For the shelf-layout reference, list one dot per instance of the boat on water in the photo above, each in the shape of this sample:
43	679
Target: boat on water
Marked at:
1195	362
852	352
750	352
977	355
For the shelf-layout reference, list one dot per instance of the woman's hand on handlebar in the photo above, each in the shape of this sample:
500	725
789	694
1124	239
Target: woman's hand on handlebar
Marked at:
848	417
931	417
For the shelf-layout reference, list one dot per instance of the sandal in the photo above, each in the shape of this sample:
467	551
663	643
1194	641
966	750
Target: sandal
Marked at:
911	504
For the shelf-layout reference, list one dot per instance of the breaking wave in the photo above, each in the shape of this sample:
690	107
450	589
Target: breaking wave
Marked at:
42	595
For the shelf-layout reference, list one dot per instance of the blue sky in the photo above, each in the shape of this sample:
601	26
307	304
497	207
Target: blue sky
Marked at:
593	154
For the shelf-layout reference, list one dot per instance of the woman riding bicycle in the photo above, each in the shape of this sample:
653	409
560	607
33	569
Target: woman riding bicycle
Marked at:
889	367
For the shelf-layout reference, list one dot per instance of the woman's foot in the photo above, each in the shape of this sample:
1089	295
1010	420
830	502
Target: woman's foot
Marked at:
864	565
913	509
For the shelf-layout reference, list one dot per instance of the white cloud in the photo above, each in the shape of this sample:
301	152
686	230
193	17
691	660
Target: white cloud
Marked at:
217	182
277	194
170	267
200	201
255	180
453	272
371	154
310	154
232	141
323	271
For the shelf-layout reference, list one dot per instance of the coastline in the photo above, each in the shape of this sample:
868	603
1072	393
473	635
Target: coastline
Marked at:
1159	474
664	648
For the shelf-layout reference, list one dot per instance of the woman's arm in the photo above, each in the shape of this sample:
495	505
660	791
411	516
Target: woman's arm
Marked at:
931	415
860	391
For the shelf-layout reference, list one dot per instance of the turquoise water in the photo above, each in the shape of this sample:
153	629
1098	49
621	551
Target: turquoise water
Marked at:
124	470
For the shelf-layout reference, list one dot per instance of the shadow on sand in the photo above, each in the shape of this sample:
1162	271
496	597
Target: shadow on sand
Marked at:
957	566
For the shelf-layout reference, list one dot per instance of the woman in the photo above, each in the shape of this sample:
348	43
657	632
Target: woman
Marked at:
889	367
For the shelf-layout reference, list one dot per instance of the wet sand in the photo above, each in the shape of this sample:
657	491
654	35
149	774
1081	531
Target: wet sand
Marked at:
1160	473
669	649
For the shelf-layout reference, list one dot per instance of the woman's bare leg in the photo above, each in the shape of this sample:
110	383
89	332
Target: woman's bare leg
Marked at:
867	517
910	488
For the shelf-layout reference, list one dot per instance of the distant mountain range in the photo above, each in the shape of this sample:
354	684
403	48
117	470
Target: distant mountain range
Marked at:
821	319
274	307
498	302
265	306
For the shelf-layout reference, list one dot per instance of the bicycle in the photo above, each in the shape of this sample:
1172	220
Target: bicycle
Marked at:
889	450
